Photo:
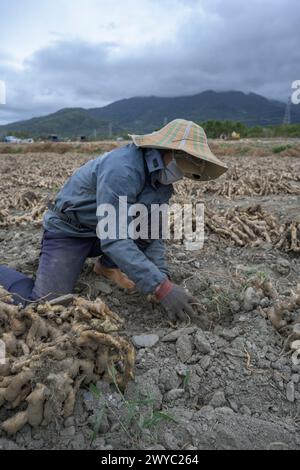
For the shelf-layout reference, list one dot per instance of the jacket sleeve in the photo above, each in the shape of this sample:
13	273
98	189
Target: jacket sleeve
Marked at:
111	184
156	252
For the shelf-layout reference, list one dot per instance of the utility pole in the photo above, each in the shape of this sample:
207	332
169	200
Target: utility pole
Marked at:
287	114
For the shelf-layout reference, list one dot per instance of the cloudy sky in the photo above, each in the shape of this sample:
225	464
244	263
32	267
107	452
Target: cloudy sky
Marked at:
71	53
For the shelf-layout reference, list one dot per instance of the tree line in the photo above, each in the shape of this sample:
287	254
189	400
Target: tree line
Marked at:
216	129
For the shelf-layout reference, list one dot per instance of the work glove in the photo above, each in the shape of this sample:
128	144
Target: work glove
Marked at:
175	300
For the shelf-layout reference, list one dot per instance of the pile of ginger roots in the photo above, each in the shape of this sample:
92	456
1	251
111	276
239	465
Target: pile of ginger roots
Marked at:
50	351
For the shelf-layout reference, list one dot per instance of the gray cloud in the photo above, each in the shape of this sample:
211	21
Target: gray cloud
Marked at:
248	46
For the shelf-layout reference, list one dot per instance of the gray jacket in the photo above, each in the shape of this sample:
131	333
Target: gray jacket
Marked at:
127	171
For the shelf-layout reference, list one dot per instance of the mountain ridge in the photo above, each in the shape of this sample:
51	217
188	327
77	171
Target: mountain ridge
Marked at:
143	114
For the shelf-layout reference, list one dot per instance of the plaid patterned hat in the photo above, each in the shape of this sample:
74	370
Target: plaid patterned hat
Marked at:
187	139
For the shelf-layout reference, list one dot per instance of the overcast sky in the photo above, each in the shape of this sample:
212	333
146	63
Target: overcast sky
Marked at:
88	53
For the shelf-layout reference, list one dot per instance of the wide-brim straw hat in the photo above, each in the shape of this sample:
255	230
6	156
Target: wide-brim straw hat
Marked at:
185	137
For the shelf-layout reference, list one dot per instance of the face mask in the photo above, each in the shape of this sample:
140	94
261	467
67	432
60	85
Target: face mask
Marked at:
170	174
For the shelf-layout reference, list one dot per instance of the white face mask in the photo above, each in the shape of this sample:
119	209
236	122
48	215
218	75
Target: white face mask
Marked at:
170	174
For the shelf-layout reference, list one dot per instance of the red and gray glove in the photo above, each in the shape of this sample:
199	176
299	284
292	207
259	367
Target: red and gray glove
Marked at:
175	300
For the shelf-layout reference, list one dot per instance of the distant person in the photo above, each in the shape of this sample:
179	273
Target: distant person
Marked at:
144	172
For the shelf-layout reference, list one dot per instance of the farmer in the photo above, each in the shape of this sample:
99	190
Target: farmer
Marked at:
144	172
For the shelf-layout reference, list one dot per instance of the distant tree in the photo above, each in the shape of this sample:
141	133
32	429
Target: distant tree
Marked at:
256	131
214	129
20	135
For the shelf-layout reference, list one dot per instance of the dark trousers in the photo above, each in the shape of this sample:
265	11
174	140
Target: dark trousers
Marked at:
61	262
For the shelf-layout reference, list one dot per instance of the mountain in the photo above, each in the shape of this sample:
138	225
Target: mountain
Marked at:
145	114
69	122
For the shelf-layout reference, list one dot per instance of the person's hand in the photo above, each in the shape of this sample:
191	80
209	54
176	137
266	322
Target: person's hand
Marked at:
175	300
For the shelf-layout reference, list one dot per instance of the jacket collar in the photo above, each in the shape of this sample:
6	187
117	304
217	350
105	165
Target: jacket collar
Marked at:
154	160
154	163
